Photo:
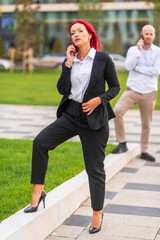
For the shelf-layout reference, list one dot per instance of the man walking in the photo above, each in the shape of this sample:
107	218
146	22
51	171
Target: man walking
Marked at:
143	64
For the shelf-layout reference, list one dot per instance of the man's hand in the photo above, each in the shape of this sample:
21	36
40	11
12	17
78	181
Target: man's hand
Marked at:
140	44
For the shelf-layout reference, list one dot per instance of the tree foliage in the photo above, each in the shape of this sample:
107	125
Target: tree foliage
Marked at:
1	47
156	12
90	11
27	27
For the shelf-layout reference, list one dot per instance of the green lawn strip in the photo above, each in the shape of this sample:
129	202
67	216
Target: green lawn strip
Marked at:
15	167
122	76
40	88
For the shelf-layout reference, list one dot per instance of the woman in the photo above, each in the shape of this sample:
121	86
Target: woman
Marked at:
84	111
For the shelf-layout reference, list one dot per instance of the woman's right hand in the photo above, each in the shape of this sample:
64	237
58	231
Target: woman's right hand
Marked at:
69	54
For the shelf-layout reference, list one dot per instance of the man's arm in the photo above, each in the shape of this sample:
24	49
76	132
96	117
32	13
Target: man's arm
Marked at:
151	71
132	58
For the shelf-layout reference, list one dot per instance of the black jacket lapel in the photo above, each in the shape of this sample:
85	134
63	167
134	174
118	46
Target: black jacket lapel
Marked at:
95	70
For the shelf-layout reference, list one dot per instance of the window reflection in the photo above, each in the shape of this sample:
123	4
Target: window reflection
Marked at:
117	31
122	29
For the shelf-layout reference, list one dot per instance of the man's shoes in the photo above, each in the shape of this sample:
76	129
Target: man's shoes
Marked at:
146	156
121	148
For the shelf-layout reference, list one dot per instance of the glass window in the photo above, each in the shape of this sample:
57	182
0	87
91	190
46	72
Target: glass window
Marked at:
121	29
6	2
117	30
7	37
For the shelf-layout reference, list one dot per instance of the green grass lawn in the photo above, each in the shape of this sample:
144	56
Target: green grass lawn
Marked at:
39	88
122	76
15	166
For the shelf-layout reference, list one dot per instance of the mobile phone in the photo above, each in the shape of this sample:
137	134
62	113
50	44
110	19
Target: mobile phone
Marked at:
72	52
142	37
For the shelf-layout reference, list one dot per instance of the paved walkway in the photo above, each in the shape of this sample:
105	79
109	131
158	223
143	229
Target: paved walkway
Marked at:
26	122
132	200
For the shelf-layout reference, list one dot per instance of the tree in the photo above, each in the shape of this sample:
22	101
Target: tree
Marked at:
27	29
90	11
156	11
1	41
93	13
1	47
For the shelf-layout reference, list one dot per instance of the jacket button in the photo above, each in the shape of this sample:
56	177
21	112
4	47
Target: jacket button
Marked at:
86	93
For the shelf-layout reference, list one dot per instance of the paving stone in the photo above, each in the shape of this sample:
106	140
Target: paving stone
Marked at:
16	119
68	231
58	238
149	175
132	210
129	170
78	220
16	132
135	163
150	164
33	125
125	231
104	237
87	203
142	186
132	220
118	181
84	211
137	198
110	194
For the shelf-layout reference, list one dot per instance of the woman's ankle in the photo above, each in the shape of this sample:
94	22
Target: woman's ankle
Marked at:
97	212
96	219
37	190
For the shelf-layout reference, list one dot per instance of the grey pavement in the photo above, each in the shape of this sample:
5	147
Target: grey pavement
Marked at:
25	122
132	199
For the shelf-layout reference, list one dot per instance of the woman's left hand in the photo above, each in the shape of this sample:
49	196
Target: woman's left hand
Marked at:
89	106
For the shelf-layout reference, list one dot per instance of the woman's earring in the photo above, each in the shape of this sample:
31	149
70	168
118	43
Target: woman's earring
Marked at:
89	39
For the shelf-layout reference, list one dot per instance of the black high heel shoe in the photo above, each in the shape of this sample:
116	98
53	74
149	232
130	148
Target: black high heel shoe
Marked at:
94	230
34	209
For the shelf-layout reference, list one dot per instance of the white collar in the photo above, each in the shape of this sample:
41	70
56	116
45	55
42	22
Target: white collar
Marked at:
152	47
91	54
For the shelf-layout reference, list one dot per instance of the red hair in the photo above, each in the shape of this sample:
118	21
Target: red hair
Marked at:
94	40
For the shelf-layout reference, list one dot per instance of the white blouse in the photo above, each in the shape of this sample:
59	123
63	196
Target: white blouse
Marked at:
80	76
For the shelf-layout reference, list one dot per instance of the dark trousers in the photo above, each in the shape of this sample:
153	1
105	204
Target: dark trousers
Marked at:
93	145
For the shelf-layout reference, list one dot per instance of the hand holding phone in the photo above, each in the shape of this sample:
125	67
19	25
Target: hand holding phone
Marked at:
140	43
72	52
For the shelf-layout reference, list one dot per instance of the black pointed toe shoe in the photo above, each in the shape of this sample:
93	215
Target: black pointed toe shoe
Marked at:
94	230
34	209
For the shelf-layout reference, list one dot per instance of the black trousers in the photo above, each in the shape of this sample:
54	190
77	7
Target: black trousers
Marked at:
93	145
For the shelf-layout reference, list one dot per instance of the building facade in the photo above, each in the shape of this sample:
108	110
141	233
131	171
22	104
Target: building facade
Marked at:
118	23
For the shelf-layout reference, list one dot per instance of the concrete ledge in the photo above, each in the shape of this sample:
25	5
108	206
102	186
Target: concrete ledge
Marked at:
61	202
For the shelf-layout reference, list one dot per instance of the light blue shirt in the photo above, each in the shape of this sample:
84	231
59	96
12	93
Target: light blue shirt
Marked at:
80	75
144	79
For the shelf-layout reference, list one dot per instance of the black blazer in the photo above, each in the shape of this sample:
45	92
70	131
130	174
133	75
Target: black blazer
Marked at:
103	70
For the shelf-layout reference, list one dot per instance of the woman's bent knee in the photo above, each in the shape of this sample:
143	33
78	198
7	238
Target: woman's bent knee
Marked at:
37	141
